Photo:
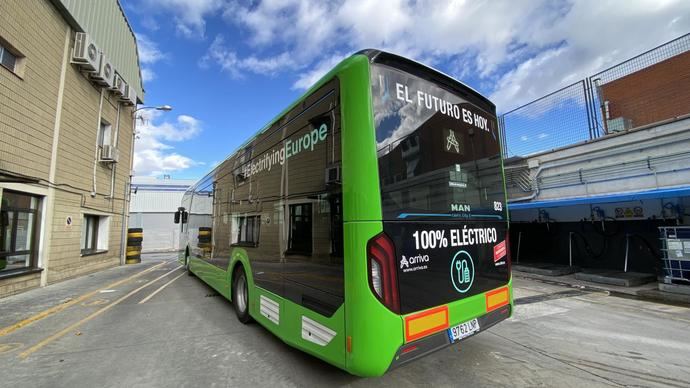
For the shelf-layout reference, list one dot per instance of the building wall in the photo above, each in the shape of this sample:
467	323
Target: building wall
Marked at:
656	93
32	108
28	103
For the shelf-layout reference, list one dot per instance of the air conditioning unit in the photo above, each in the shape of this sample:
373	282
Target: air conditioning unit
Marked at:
105	74
333	174
619	124
109	154
119	85
86	54
129	97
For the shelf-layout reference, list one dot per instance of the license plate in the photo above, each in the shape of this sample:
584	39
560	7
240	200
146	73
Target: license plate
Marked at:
463	330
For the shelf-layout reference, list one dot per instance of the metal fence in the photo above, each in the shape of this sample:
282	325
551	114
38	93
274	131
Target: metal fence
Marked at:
648	88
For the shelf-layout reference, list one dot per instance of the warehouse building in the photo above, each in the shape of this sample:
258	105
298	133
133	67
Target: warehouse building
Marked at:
69	84
153	205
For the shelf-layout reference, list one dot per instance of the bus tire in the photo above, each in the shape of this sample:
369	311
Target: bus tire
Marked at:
240	295
187	259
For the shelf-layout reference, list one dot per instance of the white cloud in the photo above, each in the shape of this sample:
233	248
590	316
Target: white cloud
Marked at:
152	156
189	16
149	54
229	61
517	53
307	79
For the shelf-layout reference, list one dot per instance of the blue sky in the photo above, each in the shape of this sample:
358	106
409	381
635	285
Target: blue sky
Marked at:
228	67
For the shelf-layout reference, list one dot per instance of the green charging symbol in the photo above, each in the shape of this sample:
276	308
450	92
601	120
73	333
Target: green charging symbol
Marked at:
462	271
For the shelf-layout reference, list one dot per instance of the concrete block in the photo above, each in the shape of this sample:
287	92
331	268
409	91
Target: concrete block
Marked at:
675	288
616	278
545	269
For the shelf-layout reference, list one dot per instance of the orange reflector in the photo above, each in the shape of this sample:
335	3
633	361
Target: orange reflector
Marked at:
425	323
349	344
497	298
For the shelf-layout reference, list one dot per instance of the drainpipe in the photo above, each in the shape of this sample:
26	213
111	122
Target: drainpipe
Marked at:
95	160
113	169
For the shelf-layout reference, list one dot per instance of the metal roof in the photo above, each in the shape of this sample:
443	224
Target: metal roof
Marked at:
107	25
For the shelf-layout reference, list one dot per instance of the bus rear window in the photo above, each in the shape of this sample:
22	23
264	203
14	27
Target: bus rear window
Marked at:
438	154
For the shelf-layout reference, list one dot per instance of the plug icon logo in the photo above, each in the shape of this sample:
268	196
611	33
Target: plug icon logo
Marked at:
462	272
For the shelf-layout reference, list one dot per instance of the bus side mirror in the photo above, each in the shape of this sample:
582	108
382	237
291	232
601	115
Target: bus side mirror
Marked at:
177	217
184	217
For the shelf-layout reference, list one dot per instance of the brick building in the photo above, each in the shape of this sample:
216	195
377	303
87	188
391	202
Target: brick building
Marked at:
69	83
650	95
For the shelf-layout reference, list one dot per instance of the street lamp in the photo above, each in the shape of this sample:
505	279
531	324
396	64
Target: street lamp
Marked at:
165	108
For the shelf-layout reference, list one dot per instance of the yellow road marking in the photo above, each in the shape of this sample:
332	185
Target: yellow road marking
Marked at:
73	326
6	348
161	288
9	329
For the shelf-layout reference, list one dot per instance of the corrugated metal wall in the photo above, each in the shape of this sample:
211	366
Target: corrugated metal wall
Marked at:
155	201
106	23
160	233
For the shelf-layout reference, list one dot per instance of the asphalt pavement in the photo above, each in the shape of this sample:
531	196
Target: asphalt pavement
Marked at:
151	325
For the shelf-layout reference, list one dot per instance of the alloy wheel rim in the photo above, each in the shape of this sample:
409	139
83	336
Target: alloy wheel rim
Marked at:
241	292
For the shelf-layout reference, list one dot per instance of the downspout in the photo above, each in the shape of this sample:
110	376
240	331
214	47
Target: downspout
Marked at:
115	143
95	160
47	221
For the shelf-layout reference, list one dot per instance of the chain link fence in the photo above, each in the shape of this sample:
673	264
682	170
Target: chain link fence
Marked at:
649	88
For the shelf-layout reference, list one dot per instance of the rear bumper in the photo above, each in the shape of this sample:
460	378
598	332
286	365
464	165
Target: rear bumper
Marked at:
422	347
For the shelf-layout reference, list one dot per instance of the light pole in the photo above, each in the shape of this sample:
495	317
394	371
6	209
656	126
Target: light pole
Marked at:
127	196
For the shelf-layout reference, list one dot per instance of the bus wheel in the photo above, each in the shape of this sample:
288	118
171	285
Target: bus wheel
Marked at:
186	266
240	295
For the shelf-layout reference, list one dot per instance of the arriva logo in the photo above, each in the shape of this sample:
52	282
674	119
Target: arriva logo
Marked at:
405	262
462	272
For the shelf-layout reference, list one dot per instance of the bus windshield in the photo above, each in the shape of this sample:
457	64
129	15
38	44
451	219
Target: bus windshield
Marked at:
438	154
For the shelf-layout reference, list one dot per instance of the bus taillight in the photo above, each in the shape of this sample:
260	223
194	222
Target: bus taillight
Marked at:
383	279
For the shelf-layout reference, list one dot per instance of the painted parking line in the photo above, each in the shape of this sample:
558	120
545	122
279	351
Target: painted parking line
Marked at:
75	325
55	309
161	288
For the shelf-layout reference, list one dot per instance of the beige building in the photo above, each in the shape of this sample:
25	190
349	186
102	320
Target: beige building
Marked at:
69	85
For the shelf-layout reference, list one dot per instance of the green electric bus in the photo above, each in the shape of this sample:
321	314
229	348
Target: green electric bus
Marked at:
366	224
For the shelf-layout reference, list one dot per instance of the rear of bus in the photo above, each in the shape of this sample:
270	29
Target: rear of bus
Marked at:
441	262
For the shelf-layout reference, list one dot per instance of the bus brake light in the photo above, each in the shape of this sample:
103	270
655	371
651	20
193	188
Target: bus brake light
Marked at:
383	277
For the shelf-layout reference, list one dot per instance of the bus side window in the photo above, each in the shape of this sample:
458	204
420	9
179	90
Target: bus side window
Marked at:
314	254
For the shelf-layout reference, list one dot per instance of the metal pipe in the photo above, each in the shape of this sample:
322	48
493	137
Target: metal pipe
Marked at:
517	261
113	167
627	247
567	162
570	248
98	132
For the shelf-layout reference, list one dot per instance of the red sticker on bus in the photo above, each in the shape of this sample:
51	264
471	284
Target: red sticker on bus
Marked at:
499	251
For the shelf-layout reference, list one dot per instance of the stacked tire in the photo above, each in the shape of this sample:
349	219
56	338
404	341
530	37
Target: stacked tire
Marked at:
205	240
135	236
